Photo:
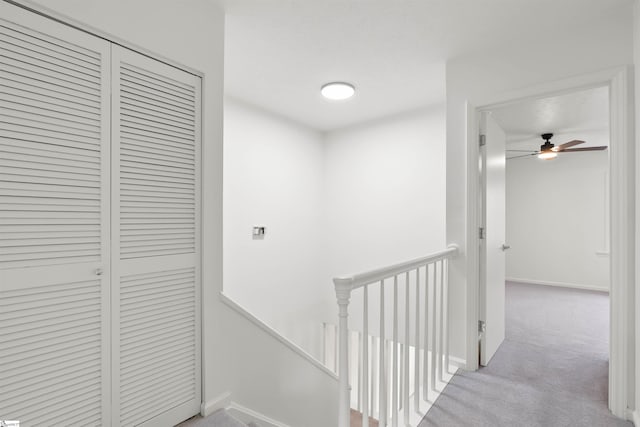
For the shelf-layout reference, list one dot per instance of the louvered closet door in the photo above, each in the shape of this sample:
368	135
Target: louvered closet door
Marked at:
156	204
54	230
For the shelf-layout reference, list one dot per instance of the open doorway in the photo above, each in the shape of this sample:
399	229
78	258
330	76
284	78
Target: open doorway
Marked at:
556	243
497	373
556	354
621	187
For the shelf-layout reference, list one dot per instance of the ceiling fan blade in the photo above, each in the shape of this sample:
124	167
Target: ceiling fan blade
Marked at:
524	155
566	145
523	151
573	150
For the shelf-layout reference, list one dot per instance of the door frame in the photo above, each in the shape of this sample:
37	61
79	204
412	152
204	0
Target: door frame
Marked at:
622	219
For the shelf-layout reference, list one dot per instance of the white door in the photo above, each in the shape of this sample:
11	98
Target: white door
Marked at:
156	241
54	223
492	257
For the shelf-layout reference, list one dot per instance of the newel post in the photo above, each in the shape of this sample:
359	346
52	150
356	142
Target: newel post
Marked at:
343	294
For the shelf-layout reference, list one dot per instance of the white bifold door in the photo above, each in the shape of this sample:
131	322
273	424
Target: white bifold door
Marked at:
155	240
99	230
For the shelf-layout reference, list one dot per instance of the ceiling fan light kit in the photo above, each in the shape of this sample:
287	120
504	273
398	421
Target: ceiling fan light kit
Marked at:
547	150
547	155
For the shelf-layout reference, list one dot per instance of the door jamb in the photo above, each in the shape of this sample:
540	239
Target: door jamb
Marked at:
622	192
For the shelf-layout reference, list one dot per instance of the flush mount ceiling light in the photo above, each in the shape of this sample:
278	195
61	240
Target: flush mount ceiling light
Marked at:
338	91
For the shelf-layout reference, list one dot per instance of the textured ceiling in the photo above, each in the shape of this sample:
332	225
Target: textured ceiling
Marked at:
279	52
582	115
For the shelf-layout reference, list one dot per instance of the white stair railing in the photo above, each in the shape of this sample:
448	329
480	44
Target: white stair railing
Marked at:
392	375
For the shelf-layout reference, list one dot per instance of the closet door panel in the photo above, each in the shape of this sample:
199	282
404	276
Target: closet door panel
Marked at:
54	222
156	255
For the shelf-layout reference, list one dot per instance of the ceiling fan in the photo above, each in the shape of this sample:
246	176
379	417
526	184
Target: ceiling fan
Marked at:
549	151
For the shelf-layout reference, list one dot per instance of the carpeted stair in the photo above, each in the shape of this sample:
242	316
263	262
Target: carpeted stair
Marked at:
219	418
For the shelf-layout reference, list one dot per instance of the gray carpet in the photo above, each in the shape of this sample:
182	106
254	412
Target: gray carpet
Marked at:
552	369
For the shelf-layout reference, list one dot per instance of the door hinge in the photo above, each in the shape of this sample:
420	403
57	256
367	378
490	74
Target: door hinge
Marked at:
483	140
481	233
482	327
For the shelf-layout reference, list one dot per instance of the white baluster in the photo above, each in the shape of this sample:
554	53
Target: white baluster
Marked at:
434	331
336	336
405	389
365	360
400	378
383	370
416	376
425	371
389	375
375	380
324	343
359	365
447	318
343	293
394	343
441	337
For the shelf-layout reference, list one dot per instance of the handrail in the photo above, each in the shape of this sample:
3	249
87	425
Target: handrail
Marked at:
362	279
434	324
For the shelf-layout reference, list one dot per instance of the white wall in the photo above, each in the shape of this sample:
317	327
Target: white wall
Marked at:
482	77
385	191
277	380
557	225
274	177
340	203
192	35
385	200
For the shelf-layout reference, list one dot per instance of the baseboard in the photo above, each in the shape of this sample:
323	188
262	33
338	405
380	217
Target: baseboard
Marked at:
221	402
457	362
242	413
558	284
247	415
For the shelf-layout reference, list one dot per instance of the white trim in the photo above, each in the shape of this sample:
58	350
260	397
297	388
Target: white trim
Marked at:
457	362
220	402
249	415
558	284
472	243
622	267
266	328
224	401
622	169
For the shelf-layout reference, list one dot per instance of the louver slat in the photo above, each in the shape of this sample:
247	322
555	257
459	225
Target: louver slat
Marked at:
43	154
157	329
49	377
167	148
53	162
